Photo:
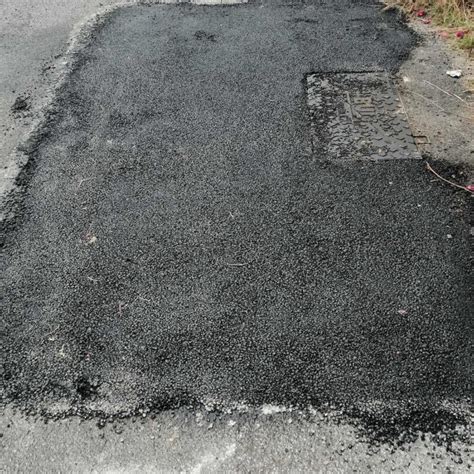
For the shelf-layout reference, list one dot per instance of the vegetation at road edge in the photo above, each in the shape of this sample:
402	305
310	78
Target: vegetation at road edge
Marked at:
455	17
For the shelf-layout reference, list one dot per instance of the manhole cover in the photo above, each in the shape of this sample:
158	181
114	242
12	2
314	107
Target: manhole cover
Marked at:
358	116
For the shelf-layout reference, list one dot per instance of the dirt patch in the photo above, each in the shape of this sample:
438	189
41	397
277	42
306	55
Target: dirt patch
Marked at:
440	108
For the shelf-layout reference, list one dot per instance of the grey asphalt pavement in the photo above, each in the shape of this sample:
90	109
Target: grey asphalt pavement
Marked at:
34	37
179	242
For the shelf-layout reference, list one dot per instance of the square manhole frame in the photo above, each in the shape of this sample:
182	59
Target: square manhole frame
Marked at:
356	126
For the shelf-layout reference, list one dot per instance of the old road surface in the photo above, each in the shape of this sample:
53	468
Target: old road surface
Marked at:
225	213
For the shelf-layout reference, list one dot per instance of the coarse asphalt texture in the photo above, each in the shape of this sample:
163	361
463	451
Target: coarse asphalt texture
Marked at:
179	243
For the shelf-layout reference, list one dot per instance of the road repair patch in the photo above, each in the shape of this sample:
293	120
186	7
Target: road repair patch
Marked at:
179	243
358	116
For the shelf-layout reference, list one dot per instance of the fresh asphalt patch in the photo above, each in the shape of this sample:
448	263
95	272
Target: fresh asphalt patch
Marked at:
184	238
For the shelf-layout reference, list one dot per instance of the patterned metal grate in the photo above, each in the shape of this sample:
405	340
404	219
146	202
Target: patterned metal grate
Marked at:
358	116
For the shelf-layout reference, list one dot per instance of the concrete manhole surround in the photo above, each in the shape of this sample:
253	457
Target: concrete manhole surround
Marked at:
358	116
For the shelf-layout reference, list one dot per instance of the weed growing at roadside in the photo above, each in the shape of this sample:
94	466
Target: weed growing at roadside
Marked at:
455	17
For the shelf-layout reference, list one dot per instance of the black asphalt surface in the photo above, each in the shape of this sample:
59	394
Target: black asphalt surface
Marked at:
179	242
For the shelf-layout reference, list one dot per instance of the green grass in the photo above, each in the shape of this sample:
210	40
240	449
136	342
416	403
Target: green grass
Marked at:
449	15
467	42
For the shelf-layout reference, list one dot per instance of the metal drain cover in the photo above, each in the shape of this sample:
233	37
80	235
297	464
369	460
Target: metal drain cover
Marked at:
358	116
